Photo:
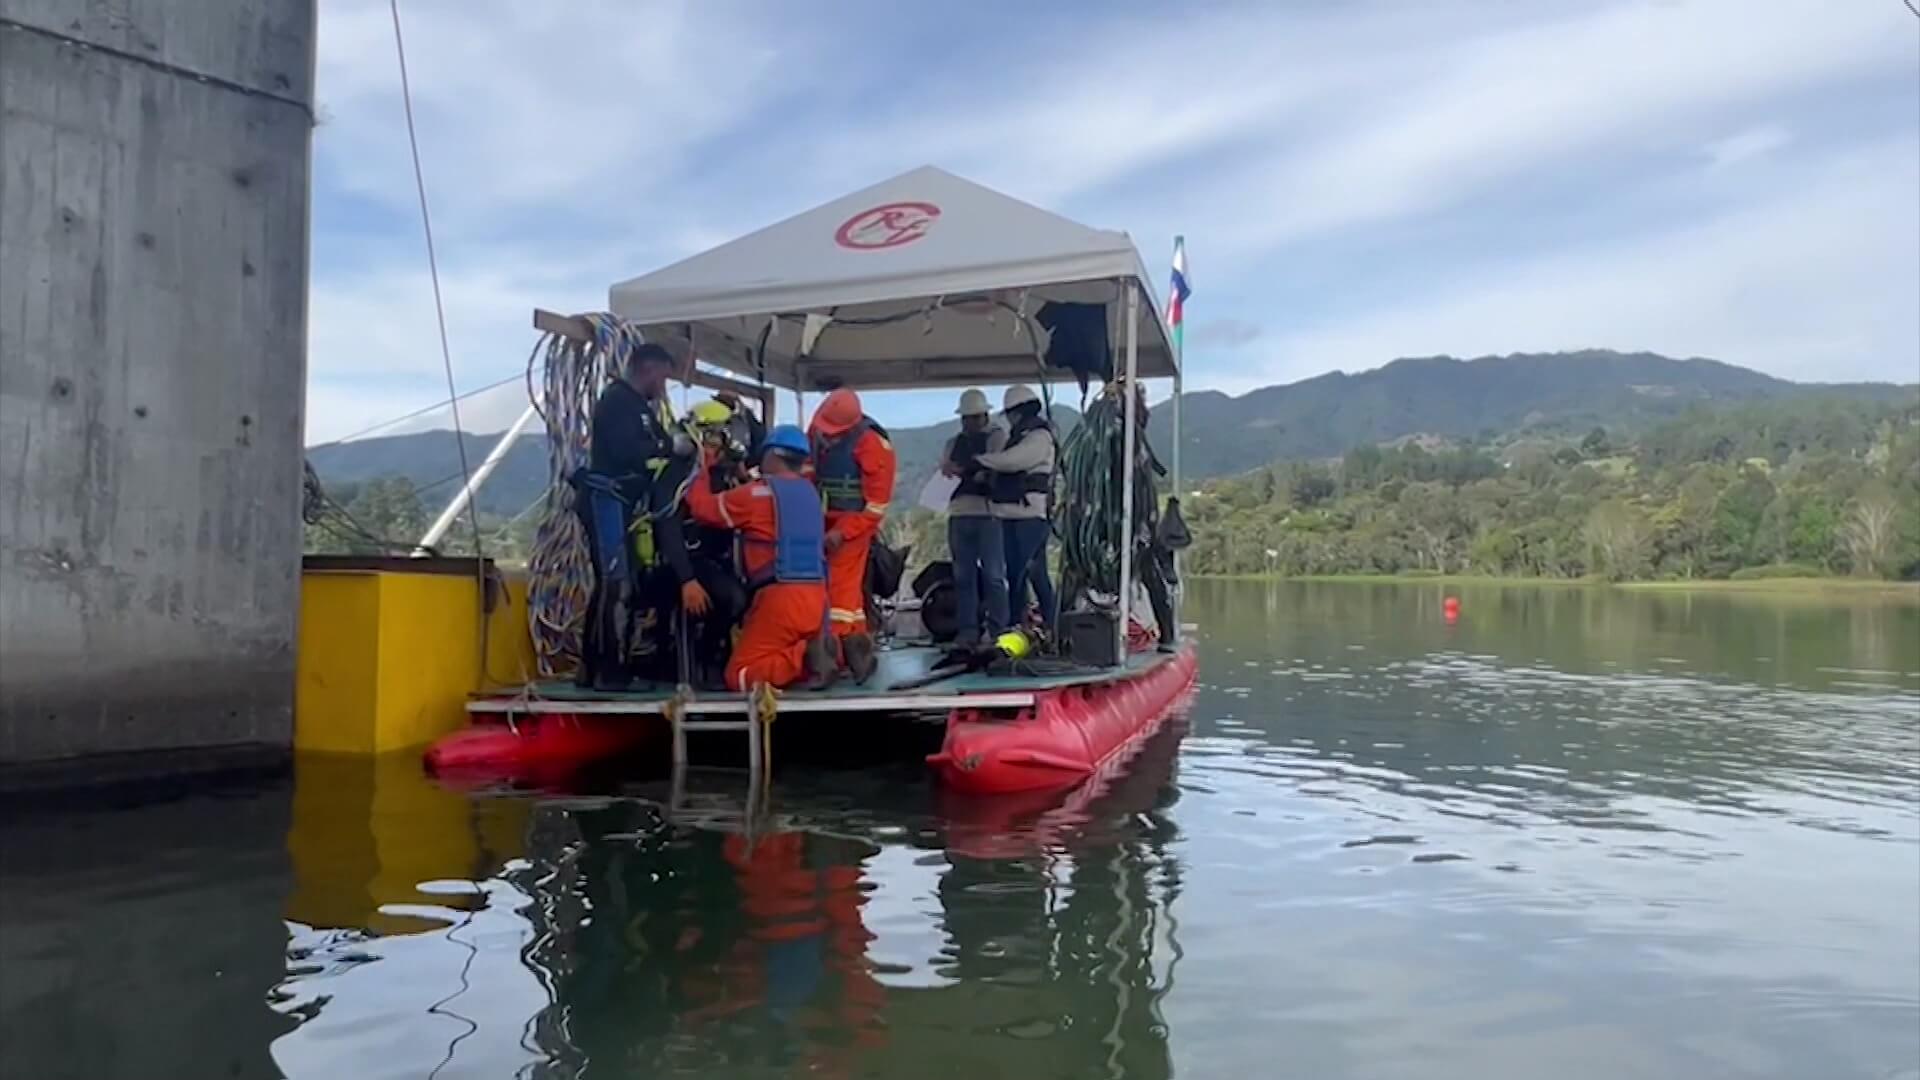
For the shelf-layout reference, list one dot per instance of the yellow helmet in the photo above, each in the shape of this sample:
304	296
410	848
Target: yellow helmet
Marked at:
710	414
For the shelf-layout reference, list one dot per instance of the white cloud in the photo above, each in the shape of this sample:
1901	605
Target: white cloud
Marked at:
522	104
1477	112
1818	283
373	344
1748	145
567	146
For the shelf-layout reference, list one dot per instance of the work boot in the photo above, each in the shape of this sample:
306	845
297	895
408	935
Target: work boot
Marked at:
857	650
823	666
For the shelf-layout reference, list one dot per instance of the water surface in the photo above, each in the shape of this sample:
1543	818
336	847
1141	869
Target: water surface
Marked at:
1577	833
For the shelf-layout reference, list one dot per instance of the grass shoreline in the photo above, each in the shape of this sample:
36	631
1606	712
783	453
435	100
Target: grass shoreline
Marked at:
1909	590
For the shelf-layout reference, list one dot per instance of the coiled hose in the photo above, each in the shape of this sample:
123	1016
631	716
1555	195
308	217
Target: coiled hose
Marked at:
1088	481
560	567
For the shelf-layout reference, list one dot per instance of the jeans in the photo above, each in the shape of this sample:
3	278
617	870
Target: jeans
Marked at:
1027	562
979	567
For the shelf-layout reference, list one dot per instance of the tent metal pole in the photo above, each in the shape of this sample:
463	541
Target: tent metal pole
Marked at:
1126	470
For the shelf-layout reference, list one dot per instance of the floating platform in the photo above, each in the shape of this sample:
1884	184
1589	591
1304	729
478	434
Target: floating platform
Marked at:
1004	732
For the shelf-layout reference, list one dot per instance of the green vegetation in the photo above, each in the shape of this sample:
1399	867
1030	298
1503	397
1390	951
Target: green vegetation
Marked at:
1562	396
386	516
1788	488
1553	467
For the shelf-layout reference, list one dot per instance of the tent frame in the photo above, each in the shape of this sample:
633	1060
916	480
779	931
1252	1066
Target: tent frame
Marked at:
929	374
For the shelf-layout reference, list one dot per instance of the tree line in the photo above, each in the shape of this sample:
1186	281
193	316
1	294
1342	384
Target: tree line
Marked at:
1805	486
1808	486
387	515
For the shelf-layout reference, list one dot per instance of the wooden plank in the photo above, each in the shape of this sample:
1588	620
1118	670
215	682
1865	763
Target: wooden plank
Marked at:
567	326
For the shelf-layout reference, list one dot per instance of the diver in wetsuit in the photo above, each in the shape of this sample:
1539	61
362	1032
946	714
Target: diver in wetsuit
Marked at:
640	462
726	427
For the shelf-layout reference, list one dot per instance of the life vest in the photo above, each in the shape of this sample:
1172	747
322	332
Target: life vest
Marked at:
974	480
837	473
1015	487
796	553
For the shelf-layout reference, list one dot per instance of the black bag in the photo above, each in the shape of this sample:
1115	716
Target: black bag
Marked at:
1172	533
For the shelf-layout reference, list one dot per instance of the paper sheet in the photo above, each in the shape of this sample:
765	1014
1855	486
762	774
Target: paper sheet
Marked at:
938	491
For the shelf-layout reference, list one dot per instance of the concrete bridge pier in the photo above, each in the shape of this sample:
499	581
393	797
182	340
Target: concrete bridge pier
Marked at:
154	164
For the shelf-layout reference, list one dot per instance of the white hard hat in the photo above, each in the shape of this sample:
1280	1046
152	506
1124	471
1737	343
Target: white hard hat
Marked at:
973	403
1017	395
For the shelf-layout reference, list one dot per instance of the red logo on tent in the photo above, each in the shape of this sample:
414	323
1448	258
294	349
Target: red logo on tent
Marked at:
887	226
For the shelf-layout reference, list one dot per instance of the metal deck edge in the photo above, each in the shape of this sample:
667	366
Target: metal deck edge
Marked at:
999	699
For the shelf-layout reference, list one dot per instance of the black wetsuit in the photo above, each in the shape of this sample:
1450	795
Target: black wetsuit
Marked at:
629	624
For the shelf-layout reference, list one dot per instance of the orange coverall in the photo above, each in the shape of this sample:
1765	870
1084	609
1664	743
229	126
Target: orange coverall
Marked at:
784	615
847	567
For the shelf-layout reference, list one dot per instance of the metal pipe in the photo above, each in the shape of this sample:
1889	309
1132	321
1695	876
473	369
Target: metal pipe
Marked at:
1179	407
459	504
1126	470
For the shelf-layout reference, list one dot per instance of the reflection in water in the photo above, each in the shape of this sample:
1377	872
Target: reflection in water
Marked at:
645	946
1577	833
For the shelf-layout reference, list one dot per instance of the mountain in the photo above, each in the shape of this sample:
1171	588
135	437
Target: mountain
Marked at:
431	461
1556	393
1546	394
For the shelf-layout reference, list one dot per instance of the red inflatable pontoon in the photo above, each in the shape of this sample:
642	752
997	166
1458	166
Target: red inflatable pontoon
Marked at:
544	745
1066	736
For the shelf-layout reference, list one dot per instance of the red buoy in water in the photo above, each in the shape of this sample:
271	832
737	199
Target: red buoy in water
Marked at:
1450	609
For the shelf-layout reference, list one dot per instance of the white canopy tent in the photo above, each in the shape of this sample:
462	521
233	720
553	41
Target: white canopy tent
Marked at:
922	280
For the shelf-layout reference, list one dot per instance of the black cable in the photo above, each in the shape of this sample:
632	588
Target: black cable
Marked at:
433	270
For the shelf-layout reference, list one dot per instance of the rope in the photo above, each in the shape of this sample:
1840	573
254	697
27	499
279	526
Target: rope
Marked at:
433	272
560	567
765	707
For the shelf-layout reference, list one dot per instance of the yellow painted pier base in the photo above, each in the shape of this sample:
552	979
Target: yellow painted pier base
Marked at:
390	650
368	830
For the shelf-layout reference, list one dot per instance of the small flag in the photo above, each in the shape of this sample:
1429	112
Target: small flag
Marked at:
1177	297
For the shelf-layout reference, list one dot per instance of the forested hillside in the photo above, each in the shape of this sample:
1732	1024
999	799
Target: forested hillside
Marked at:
1623	465
1547	394
1808	486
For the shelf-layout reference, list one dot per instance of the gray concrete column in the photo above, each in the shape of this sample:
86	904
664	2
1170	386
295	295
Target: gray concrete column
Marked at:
153	294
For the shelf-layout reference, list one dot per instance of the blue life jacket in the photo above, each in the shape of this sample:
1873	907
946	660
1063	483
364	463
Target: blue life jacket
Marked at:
836	471
799	533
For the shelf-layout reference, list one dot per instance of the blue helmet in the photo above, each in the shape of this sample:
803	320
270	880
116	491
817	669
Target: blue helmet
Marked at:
788	438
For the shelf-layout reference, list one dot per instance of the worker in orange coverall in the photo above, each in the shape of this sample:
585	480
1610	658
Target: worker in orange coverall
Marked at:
853	465
778	519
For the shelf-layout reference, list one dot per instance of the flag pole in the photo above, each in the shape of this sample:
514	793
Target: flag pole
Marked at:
1179	402
1179	373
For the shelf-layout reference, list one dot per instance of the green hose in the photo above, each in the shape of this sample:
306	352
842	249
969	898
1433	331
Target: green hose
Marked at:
1087	493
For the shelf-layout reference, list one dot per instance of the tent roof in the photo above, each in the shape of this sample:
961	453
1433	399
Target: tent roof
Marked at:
923	276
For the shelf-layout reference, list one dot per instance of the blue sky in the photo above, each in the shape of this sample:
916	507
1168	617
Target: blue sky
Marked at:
1357	181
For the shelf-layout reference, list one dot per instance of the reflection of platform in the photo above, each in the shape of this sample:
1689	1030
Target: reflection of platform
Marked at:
975	690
